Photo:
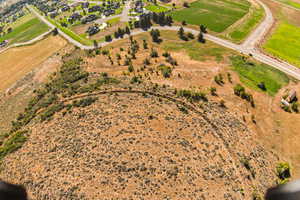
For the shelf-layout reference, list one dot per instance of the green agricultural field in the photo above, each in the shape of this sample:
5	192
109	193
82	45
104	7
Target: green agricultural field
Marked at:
290	3
156	8
285	43
252	73
244	29
30	28
217	15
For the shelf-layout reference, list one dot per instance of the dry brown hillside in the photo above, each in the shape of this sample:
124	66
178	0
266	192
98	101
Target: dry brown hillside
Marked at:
122	123
131	145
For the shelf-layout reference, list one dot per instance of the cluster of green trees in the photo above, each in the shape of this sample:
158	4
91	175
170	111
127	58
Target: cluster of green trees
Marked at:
192	95
147	20
155	34
186	36
121	32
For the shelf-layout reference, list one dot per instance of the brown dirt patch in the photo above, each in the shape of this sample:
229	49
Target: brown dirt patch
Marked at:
17	62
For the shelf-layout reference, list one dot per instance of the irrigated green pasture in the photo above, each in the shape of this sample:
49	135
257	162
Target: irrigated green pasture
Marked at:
217	15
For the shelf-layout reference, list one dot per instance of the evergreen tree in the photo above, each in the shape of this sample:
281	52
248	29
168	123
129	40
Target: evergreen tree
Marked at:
108	38
203	28
116	34
127	30
145	45
155	35
181	34
95	44
201	37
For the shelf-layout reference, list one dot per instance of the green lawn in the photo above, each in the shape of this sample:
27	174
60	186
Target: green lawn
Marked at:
70	33
25	31
156	8
242	31
113	21
285	43
253	73
217	15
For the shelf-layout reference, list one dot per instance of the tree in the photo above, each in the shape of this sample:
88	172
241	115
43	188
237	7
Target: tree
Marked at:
295	107
169	20
108	38
146	61
95	44
181	34
190	35
153	53
203	28
127	30
185	4
201	37
55	32
262	86
116	34
9	30
213	91
130	68
145	45
155	35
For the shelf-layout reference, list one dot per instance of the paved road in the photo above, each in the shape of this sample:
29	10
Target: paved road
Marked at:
102	20
83	1
260	32
123	16
248	47
125	13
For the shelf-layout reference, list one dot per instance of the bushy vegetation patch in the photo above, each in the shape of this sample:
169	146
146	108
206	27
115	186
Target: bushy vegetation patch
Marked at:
283	171
12	144
192	95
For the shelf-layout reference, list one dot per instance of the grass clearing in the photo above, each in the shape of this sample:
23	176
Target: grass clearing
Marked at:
253	73
244	29
156	8
22	32
195	50
17	62
217	15
113	21
284	43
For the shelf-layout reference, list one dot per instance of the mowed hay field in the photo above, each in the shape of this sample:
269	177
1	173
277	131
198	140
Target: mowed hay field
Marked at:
285	44
28	28
17	62
217	15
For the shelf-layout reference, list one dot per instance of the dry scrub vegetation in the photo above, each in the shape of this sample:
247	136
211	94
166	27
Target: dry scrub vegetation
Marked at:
143	121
